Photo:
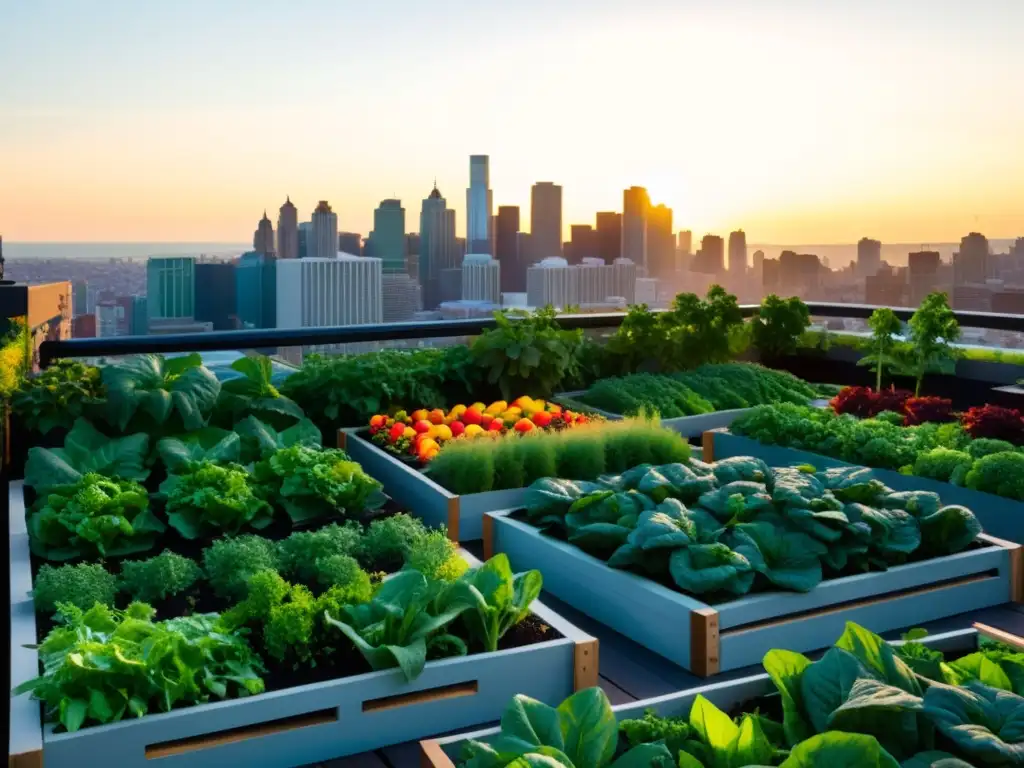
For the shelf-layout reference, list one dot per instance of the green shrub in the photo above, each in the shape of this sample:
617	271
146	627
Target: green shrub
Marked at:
579	458
508	471
230	563
392	539
999	473
437	557
343	574
984	446
82	585
941	463
537	456
299	555
58	395
778	325
159	577
465	466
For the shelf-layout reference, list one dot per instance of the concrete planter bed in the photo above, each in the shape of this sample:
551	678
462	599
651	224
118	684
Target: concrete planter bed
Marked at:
999	516
445	752
706	639
293	726
687	426
421	496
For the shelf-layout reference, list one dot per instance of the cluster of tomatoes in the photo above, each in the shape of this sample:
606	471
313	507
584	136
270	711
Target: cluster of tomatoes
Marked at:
422	432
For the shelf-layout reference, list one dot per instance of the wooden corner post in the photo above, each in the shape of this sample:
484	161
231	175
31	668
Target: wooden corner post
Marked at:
707	447
432	756
705	644
488	536
586	664
453	518
342	437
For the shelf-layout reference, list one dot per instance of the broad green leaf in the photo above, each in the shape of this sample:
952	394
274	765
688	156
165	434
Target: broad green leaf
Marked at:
589	729
839	750
646	756
713	726
986	724
827	683
977	666
934	759
532	722
750	746
786	669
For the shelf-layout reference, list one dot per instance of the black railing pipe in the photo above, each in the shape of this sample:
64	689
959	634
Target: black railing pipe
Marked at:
220	341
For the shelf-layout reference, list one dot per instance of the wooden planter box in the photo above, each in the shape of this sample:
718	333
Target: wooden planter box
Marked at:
999	516
706	639
443	752
296	726
687	426
463	515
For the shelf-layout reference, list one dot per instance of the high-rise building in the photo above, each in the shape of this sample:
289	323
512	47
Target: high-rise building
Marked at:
685	243
437	246
583	244
324	243
481	278
389	235
887	287
869	256
635	205
546	220
139	324
350	242
710	259
256	291
83	326
609	236
263	238
304	247
171	287
799	274
624	280
323	292
401	298
215	294
661	246
479	205
595	281
922	275
287	231
80	298
971	262
552	281
738	252
506	249
108	314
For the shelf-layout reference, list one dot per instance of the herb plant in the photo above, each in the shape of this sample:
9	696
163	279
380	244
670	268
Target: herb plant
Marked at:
81	585
778	325
211	499
995	422
884	349
96	516
933	330
157	393
390	540
102	664
311	483
58	395
159	577
302	554
229	563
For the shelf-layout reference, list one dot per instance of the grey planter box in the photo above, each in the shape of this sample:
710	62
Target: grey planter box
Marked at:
687	426
999	516
706	639
463	515
444	752
296	726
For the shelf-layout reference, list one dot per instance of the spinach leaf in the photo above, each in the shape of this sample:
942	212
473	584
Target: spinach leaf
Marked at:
158	388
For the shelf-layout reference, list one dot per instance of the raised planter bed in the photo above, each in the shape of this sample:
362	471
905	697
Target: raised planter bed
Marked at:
687	426
999	516
706	639
444	752
421	496
295	726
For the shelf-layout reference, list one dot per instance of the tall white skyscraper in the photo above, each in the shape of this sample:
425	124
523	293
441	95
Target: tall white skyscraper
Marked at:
481	278
478	205
552	281
320	292
287	231
324	244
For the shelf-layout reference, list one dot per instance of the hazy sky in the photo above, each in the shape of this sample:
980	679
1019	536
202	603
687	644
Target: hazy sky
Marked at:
802	121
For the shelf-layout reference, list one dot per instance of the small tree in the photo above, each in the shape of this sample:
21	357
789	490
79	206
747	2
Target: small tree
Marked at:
933	329
883	346
779	324
702	329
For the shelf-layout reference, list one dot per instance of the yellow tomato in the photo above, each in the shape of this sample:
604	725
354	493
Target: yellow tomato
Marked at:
442	432
499	406
472	430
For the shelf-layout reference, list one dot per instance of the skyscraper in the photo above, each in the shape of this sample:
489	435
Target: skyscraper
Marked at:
324	244
710	259
869	256
437	246
546	220
635	205
287	231
661	246
171	287
506	250
481	278
686	241
256	290
389	235
400	297
319	292
216	284
478	205
552	281
350	242
971	262
738	252
609	236
263	238
922	275
583	244
304	249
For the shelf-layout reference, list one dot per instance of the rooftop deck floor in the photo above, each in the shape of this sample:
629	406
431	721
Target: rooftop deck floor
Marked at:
629	672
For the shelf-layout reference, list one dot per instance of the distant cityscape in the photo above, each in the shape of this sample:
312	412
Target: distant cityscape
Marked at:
309	274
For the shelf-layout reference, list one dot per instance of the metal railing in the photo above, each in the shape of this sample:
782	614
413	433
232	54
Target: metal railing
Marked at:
221	341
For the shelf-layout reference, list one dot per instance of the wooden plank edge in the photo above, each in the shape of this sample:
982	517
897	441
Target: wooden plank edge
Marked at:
488	535
453	518
705	642
433	756
342	438
32	759
707	445
585	664
999	635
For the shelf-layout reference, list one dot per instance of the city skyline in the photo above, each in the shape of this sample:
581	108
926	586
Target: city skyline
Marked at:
905	127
